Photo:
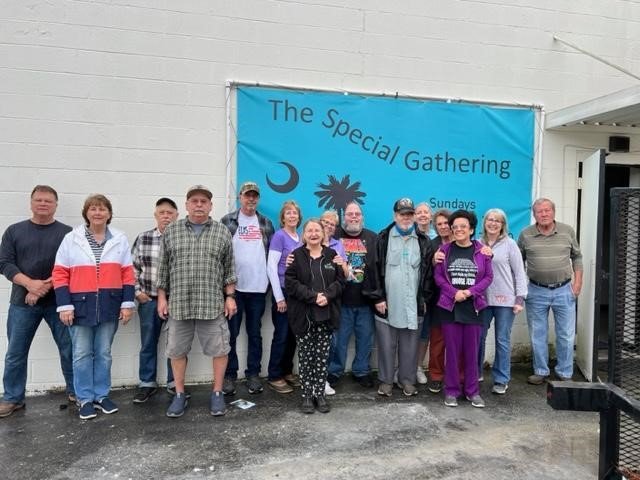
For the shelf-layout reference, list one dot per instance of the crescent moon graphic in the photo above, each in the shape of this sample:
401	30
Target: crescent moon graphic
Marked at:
289	185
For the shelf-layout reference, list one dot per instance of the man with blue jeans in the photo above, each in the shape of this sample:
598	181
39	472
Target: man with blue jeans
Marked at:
145	254
251	233
356	313
554	266
27	255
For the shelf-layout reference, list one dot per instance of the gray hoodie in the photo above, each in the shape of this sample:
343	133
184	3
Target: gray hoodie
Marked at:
509	286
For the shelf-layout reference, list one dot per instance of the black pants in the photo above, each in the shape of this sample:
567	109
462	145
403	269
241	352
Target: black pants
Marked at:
313	356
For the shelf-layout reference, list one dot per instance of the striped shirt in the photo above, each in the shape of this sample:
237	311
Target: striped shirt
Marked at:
145	254
550	258
96	248
195	268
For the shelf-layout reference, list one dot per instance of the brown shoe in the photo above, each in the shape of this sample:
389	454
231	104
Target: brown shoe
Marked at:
536	379
7	408
280	386
293	380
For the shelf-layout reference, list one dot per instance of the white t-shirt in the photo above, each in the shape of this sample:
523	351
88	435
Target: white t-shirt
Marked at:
248	252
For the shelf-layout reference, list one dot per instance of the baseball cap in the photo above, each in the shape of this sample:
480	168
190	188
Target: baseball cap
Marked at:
249	187
404	205
162	200
199	189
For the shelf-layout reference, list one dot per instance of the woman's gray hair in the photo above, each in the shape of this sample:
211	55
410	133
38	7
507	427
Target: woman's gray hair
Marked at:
504	230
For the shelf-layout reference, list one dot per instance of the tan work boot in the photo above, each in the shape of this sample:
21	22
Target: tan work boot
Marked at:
7	408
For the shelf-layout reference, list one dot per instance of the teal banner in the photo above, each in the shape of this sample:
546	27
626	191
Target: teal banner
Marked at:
327	149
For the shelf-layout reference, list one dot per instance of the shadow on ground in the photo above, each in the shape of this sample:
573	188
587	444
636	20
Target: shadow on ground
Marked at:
365	436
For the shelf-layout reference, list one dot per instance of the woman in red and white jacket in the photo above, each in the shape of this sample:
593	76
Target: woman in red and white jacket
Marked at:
94	282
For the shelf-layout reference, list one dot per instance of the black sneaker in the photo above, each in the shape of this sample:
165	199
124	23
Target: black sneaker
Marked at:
434	386
229	386
254	385
106	405
364	380
332	379
143	394
172	391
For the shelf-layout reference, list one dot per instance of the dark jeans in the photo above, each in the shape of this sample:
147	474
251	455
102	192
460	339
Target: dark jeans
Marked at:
252	305
283	345
22	323
150	328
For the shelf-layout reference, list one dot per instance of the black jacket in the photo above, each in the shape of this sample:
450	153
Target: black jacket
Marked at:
230	220
425	286
301	299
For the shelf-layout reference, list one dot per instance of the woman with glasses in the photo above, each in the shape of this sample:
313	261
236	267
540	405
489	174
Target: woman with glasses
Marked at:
423	223
505	295
463	276
314	283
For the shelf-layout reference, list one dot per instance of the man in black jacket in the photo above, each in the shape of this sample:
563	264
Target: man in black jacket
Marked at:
403	288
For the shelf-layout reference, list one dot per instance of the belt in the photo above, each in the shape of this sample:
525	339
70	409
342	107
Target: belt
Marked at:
550	286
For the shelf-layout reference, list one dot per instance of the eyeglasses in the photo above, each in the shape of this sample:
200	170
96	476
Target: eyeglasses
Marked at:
460	227
353	214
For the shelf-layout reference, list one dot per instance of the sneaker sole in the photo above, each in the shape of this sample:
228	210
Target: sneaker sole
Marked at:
254	391
477	405
499	393
141	400
410	394
383	394
218	413
104	410
88	417
450	404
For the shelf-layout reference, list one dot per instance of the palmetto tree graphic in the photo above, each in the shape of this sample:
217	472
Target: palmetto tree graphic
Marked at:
337	194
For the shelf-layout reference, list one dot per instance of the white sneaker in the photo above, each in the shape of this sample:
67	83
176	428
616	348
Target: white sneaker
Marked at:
421	377
328	390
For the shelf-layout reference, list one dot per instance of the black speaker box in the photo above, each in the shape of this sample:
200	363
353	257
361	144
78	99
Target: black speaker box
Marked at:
618	144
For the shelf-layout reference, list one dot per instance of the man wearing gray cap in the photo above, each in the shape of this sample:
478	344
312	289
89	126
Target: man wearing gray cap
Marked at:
251	233
403	288
196	266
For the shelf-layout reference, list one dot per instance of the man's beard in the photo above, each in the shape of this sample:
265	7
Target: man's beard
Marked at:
353	229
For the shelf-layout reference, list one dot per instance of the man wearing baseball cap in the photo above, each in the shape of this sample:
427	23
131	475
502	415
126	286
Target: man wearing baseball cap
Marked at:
403	288
145	255
196	264
251	233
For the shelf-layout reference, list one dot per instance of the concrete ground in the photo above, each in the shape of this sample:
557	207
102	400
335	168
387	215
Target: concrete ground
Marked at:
365	436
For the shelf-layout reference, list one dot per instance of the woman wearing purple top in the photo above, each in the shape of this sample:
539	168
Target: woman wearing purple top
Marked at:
463	276
283	345
505	295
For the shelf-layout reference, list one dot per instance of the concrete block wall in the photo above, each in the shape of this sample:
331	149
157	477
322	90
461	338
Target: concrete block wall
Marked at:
127	97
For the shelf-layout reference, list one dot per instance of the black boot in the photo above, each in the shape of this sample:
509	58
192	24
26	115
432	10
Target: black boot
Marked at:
322	405
307	405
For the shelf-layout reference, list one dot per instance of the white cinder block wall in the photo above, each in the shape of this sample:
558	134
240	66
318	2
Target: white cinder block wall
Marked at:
127	97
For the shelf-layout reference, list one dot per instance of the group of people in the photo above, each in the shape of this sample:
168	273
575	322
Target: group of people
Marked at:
329	281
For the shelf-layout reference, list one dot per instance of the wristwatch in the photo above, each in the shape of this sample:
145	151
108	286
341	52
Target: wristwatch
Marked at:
230	295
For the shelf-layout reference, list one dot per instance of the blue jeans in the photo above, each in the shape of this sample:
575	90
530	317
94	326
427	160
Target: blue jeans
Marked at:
563	304
359	321
150	328
92	360
283	345
22	323
252	305
504	321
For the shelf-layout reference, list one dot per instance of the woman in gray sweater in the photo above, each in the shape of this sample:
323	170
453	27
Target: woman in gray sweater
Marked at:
505	295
